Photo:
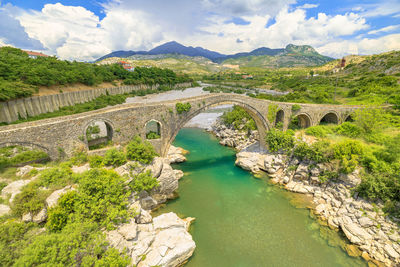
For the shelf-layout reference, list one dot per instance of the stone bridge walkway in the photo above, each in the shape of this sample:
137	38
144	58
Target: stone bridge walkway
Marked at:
65	134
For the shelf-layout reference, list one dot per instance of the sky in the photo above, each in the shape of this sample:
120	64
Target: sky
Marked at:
85	30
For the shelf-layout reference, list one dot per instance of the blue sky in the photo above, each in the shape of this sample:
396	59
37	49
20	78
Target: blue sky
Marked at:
85	30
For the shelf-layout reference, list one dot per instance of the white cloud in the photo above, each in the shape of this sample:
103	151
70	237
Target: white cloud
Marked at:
385	29
77	33
365	46
381	8
11	31
308	6
289	27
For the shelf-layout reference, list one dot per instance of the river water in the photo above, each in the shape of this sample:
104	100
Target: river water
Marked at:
245	221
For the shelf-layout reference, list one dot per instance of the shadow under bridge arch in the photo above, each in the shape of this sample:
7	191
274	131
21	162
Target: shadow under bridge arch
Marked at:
261	122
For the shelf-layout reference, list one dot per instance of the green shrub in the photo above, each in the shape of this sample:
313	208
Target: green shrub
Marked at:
296	107
95	161
349	129
144	181
138	150
182	107
14	238
79	244
152	135
239	117
326	176
79	157
21	157
29	155
114	157
349	165
272	111
58	216
380	186
319	151
101	197
319	130
347	148
279	140
31	199
58	177
371	119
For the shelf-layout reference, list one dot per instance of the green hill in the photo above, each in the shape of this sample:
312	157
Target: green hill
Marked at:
292	56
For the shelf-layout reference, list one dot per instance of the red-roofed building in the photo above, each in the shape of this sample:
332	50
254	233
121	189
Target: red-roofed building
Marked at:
126	65
32	54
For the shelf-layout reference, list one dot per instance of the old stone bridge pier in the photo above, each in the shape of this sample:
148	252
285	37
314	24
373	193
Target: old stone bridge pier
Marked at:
65	134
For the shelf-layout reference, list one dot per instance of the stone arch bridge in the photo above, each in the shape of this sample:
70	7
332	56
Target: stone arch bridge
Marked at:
65	134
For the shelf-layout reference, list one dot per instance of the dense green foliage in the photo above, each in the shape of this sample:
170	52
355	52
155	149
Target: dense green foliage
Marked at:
239	119
15	155
138	150
144	181
101	197
79	244
279	141
20	75
182	107
31	199
114	157
152	135
14	238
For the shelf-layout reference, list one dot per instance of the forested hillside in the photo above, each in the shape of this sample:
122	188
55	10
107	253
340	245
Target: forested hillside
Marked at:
21	76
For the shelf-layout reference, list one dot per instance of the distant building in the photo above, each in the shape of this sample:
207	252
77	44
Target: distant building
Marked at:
343	63
247	76
126	65
32	54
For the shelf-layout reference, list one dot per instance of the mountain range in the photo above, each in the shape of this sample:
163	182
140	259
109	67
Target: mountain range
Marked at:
303	51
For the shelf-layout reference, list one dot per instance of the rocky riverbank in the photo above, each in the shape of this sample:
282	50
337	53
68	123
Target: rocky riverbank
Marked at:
377	237
159	241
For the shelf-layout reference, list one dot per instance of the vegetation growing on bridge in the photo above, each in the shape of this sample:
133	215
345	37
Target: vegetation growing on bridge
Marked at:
21	76
182	107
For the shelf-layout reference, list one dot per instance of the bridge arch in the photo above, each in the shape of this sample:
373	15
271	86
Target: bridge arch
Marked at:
349	117
303	120
153	129
261	122
330	117
101	127
280	117
27	144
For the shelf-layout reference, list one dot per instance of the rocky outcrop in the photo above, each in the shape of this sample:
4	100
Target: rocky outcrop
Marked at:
13	189
176	154
237	139
163	242
362	223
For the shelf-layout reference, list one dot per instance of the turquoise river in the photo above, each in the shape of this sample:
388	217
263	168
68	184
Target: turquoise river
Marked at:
245	221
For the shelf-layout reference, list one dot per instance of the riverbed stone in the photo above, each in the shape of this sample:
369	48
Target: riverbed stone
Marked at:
51	201
128	231
13	189
354	233
365	222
